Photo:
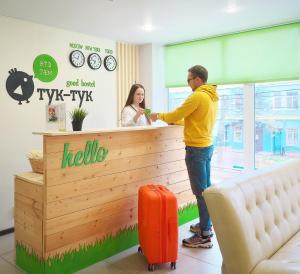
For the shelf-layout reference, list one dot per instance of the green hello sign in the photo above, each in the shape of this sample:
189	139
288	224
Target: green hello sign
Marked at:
92	154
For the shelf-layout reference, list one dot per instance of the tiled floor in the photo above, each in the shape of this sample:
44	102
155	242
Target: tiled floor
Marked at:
190	260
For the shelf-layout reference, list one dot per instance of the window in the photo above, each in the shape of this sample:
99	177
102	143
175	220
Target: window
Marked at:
292	100
238	102
292	137
237	134
224	101
259	105
276	126
277	101
277	122
177	96
228	156
226	134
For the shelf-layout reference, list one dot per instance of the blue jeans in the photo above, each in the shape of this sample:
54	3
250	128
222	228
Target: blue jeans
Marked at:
198	160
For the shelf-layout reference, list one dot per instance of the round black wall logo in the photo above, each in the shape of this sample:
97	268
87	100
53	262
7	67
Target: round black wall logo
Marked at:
19	85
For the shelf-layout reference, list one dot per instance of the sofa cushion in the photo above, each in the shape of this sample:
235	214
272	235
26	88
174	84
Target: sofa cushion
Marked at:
255	214
285	260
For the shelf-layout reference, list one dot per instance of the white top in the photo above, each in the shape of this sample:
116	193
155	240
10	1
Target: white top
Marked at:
103	130
127	117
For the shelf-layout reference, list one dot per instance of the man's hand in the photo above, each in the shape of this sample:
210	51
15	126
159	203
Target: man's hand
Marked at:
154	116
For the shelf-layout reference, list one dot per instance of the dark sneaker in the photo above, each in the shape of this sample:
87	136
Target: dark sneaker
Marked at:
198	241
196	229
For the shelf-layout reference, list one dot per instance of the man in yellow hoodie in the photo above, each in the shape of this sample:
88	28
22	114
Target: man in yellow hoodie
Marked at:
198	115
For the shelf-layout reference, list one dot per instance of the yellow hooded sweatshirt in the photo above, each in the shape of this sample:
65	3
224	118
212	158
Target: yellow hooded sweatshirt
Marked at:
199	112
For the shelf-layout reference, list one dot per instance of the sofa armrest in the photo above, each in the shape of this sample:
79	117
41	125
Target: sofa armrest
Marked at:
254	214
238	253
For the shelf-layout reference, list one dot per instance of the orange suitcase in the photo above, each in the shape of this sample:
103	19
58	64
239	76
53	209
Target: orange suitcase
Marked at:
158	225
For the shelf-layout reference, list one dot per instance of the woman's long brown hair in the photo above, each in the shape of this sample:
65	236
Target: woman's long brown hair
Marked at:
132	91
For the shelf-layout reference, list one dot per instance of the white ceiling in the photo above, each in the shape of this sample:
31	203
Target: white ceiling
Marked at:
173	20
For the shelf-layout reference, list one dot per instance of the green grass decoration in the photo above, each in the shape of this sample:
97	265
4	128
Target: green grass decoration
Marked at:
28	261
86	255
73	261
187	213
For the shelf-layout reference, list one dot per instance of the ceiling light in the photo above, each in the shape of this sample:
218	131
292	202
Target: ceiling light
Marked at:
232	8
148	27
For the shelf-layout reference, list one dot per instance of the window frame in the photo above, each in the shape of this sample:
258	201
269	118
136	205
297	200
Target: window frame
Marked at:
295	136
250	118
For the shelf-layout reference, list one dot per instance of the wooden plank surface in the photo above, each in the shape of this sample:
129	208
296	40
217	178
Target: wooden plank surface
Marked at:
29	201
117	151
85	241
29	209
65	222
170	172
80	202
29	190
31	177
61	176
87	202
32	223
113	139
103	130
103	226
71	238
29	238
28	215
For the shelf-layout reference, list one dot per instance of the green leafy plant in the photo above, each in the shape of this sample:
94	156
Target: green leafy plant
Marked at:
78	114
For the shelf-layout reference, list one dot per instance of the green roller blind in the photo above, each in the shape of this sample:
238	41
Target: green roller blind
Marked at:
270	54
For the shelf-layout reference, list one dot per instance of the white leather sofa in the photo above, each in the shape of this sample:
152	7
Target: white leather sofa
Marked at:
256	218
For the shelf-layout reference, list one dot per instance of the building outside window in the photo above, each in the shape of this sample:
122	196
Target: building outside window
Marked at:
238	102
292	100
292	136
237	134
277	101
277	129
276	125
228	156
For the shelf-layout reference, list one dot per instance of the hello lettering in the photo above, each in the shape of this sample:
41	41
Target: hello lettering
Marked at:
92	154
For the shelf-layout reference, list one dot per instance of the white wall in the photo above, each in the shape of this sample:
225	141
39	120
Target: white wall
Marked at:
146	71
159	92
21	42
152	76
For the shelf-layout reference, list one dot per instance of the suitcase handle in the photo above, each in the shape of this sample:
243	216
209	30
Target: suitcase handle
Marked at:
159	187
155	187
162	188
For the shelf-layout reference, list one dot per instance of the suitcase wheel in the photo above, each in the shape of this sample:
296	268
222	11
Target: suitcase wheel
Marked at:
173	265
140	250
151	267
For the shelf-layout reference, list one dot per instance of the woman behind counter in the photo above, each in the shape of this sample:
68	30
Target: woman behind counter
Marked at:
133	111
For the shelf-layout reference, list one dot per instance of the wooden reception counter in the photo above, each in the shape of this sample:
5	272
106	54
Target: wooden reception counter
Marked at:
89	188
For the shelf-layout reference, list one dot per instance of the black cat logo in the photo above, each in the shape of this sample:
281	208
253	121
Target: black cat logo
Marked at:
19	85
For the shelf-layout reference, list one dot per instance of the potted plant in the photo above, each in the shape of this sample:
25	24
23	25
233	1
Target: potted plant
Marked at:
77	116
